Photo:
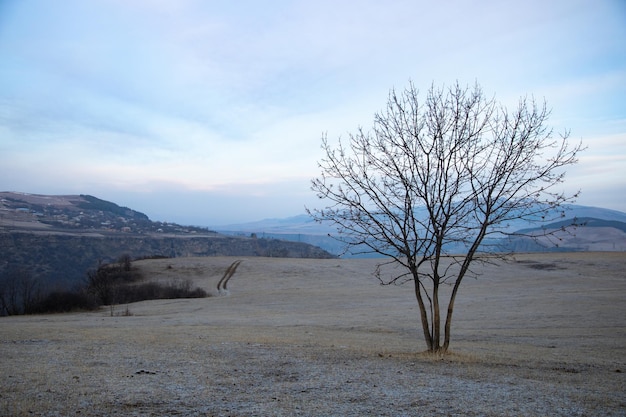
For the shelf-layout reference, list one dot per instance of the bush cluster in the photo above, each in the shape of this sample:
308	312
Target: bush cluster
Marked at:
125	294
108	284
64	302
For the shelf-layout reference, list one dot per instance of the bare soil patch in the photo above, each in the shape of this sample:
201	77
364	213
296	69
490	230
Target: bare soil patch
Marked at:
322	337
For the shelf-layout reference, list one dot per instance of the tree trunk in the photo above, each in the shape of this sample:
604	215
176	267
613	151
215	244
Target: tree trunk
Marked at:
466	263
436	316
446	340
423	315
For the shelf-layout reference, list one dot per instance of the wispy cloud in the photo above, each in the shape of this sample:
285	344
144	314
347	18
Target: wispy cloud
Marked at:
214	96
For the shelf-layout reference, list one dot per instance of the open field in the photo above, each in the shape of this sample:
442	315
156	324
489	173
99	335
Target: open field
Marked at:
543	335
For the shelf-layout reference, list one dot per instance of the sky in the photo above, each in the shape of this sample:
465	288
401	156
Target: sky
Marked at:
212	112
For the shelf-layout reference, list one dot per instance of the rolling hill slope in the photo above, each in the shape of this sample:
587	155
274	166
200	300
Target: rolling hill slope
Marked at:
602	231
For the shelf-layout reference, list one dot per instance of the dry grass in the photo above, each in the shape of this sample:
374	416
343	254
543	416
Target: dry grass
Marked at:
543	335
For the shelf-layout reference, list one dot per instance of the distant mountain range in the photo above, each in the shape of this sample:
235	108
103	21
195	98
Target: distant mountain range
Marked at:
599	229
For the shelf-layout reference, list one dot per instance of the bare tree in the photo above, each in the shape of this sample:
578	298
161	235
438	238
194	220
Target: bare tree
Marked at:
101	283
19	292
433	180
125	262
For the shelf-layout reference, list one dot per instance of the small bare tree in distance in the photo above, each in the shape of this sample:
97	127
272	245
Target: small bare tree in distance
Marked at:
433	179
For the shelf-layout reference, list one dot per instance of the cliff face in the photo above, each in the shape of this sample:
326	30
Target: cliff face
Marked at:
63	259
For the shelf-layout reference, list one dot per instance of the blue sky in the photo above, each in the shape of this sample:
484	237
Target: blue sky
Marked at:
211	112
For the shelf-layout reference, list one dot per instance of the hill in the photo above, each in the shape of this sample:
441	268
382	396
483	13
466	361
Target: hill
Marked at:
590	234
601	230
76	214
56	239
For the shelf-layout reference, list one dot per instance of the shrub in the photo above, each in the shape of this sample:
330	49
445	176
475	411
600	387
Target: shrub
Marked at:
65	301
104	281
157	291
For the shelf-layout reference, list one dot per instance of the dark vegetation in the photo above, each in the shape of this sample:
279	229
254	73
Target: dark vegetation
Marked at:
106	285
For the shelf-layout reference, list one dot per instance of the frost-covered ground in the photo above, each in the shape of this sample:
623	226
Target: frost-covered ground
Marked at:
544	335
